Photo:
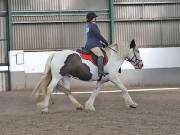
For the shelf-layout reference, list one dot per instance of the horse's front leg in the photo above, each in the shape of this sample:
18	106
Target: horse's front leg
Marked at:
89	105
128	100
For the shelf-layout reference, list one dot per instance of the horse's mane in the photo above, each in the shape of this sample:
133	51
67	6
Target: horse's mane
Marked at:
121	48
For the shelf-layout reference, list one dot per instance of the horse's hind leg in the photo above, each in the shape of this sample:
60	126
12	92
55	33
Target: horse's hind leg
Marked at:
43	105
65	83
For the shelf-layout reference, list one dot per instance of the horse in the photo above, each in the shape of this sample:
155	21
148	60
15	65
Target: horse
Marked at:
60	67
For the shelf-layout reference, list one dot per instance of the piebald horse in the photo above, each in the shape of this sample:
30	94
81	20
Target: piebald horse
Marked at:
62	66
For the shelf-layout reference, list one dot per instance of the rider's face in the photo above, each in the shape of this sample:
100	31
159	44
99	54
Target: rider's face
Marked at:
94	19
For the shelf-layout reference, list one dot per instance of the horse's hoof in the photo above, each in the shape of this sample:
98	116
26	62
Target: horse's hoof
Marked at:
40	105
42	108
44	111
89	107
92	109
79	108
133	105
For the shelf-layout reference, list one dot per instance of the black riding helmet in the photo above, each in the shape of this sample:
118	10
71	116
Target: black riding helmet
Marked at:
90	16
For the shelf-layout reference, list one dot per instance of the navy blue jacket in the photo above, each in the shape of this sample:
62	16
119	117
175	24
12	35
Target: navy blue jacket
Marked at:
94	36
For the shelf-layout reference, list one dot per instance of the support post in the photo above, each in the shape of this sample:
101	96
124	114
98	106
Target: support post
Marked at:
10	40
112	24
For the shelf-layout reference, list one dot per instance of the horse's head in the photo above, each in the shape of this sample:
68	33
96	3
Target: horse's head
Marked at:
134	56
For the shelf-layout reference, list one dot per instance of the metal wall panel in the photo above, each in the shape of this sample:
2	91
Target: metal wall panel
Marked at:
37	36
148	23
59	4
152	24
52	36
145	33
4	76
40	29
84	4
128	12
3	41
3	52
3	32
3	5
149	34
105	29
161	11
134	1
35	5
45	36
146	11
171	33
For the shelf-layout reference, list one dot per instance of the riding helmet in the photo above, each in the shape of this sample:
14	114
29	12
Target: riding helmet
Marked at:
90	16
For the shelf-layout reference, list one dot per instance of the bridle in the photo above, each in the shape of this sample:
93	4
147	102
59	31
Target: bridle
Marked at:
134	59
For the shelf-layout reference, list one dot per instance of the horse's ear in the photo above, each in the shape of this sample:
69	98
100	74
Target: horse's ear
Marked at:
133	44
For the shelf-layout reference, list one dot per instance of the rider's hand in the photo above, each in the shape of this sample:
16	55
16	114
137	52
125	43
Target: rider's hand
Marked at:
105	44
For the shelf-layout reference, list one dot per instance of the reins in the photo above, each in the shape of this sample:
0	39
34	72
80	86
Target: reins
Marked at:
112	49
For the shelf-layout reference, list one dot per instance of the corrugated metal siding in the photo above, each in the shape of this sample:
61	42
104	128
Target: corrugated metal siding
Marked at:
145	33
3	52
35	5
161	11
48	36
105	30
171	33
128	12
147	11
3	28
3	5
146	0
84	4
3	40
151	24
148	23
56	30
52	36
59	4
3	45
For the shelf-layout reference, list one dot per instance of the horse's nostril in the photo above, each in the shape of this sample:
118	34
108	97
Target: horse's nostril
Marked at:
141	66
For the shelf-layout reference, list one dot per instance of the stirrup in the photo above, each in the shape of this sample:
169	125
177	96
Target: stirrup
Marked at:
103	74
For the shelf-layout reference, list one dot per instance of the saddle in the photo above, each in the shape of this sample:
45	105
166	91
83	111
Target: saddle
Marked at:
88	55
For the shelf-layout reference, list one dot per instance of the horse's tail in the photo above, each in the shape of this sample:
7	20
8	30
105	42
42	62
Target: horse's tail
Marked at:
40	91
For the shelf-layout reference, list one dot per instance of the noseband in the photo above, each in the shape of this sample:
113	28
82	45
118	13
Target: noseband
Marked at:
134	59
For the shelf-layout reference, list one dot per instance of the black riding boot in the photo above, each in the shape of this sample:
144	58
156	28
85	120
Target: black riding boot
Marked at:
100	67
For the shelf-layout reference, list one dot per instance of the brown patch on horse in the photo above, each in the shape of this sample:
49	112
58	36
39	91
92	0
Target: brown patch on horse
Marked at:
74	66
